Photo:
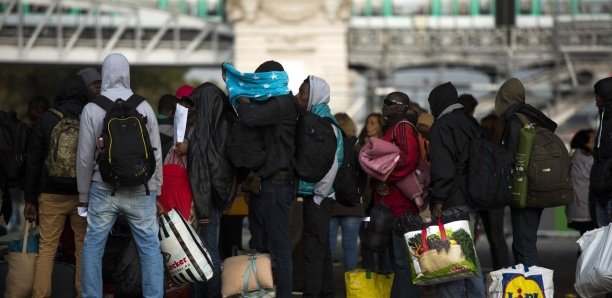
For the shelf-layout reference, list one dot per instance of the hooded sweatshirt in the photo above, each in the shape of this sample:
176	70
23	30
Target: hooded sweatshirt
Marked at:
317	104
449	145
115	85
71	98
510	100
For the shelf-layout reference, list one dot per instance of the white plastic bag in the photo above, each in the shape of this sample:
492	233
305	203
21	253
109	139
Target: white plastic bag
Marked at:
519	281
185	258
594	268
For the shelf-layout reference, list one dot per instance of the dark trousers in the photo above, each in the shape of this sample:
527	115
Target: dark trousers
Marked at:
319	277
400	261
525	224
230	235
257	227
209	234
277	195
493	222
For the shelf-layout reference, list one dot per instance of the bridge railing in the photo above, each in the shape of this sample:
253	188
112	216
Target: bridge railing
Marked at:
55	33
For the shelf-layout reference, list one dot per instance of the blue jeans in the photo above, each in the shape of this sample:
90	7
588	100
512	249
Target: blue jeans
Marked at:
140	211
604	213
350	231
400	261
276	198
209	234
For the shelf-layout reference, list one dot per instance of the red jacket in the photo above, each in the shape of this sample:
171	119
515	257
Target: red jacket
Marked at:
406	139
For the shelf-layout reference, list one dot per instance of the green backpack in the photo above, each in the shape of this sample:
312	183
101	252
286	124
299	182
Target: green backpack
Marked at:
542	165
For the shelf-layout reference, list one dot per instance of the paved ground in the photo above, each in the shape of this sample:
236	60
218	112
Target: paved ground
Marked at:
558	253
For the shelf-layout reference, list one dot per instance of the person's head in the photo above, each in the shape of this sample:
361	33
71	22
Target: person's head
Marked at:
583	139
72	90
469	103
395	104
373	128
269	65
347	124
493	126
182	95
313	91
116	77
510	93
441	97
424	123
92	80
166	105
603	93
36	106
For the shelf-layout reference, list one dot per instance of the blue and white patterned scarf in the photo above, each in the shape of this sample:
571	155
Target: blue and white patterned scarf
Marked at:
257	86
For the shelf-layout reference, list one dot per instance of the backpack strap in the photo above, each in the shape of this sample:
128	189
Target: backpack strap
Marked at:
524	120
57	113
134	101
104	102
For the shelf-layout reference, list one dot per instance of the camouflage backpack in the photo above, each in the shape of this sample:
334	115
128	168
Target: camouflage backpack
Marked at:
61	160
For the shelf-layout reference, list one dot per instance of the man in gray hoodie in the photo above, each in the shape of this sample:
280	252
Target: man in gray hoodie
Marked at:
102	206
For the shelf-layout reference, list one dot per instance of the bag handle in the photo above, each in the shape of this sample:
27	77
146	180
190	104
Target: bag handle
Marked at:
424	234
247	276
26	233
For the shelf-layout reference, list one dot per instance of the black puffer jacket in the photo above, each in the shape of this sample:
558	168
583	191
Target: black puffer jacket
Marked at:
211	175
70	101
449	147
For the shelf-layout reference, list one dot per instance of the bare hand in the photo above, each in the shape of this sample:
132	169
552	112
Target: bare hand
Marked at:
29	212
436	210
181	148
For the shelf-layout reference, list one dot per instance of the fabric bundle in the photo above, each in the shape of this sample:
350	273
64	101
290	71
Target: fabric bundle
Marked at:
257	86
378	158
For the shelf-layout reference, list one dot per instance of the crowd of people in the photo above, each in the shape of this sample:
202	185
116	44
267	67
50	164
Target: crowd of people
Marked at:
294	220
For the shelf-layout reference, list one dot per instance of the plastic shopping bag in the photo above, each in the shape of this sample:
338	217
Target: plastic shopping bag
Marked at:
594	268
361	283
520	281
185	258
442	253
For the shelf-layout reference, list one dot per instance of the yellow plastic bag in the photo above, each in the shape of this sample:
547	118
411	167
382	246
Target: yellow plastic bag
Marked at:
361	283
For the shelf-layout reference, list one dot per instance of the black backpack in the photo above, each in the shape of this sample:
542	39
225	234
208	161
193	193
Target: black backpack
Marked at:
490	173
128	159
14	136
347	183
315	147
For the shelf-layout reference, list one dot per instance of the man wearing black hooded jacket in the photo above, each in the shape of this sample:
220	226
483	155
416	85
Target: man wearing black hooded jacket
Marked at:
449	154
56	197
601	172
509	101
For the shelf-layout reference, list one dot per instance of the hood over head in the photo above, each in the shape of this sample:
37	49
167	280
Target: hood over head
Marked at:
72	90
442	97
510	93
319	91
116	77
89	75
603	88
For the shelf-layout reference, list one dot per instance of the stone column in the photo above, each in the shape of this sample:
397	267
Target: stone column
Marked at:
307	37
